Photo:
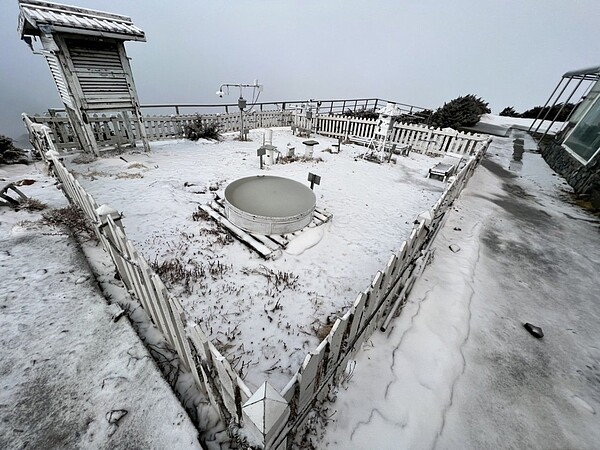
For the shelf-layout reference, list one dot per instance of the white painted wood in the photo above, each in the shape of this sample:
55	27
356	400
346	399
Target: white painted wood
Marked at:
289	390
310	374
200	341
268	413
357	311
335	338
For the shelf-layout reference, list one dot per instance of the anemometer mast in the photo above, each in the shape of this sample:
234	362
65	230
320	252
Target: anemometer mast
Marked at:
242	103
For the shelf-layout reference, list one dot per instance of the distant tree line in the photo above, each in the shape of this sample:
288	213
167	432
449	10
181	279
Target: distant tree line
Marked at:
550	112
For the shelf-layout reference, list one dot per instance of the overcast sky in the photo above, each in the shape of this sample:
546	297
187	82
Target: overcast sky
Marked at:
509	52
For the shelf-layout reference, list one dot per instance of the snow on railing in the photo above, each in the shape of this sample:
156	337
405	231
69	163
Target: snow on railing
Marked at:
272	418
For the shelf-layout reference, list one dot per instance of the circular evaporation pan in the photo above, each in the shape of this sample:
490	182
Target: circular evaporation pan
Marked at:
269	205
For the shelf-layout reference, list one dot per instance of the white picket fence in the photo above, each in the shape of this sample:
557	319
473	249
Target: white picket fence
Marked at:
272	417
211	371
325	366
119	129
420	138
114	130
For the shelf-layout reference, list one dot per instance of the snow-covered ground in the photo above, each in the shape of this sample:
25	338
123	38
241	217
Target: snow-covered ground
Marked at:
458	370
520	123
71	377
264	315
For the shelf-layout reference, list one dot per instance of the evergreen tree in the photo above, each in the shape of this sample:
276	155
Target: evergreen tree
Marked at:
461	112
9	154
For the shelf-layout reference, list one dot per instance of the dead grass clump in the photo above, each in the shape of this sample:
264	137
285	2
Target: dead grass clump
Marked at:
287	159
177	272
222	237
292	159
136	165
71	217
216	185
125	175
200	214
31	204
323	330
217	270
84	158
280	280
94	174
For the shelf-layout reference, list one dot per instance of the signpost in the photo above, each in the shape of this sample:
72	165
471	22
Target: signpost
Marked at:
314	179
260	153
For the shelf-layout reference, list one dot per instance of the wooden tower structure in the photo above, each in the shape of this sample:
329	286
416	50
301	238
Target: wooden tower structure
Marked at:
86	54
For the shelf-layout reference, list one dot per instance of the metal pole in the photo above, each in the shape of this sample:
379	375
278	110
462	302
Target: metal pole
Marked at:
560	110
242	125
547	103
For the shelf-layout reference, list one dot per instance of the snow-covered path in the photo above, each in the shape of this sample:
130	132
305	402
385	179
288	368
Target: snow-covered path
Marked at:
66	369
458	369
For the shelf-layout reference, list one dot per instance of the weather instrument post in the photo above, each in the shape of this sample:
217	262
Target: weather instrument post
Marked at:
314	179
242	103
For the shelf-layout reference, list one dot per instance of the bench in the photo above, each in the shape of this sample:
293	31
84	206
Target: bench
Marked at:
447	167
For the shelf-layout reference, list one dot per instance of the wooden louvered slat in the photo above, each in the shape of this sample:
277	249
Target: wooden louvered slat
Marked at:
59	80
100	74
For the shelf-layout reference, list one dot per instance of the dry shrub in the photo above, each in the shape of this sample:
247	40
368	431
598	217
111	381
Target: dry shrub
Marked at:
31	204
280	280
93	174
71	217
323	330
136	165
292	159
200	214
175	271
200	129
124	175
84	158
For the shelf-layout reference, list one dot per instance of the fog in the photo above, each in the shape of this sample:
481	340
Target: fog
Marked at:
510	53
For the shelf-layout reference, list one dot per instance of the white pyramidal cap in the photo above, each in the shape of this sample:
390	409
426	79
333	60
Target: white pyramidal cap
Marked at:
52	153
426	217
265	407
104	210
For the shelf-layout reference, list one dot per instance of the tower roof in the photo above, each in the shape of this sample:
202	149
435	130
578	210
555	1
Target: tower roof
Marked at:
41	17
